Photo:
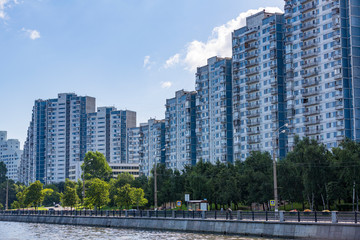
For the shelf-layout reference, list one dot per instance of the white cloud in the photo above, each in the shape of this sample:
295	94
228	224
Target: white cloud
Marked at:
32	34
148	63
172	61
218	44
4	4
166	84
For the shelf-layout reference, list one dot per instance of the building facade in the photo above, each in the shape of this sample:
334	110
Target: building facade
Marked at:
152	145
322	66
107	132
214	128
259	108
56	138
180	125
10	154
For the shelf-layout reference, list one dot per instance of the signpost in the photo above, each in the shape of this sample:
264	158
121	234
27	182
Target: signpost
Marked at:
272	203
178	203
187	199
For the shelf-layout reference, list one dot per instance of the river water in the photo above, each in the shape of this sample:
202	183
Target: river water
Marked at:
30	231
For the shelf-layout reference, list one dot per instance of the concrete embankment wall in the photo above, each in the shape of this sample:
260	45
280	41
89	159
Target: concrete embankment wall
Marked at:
270	229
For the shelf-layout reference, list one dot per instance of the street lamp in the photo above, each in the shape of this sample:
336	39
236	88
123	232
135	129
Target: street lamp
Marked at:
274	163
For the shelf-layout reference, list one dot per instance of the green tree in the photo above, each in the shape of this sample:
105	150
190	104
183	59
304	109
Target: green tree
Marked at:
96	166
69	198
137	197
347	165
258	175
34	195
97	194
1	206
15	205
21	195
123	197
51	196
115	184
3	171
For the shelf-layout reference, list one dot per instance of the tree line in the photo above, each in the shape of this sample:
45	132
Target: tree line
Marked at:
309	175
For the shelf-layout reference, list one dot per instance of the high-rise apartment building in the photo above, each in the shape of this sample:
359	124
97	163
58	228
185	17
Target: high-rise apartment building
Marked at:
180	125
56	137
133	145
214	128
10	154
107	134
322	40
258	84
152	145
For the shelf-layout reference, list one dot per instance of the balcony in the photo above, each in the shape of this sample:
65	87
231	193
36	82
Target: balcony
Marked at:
310	73
312	112
338	76
274	100
253	140
252	63
288	15
313	102
337	56
337	46
308	26
308	45
309	36
250	47
274	111
252	71
310	64
309	17
253	123
253	132
252	105
252	38
250	89
289	60
252	30
272	30
251	55
312	122
338	85
310	93
308	7
336	25
309	54
312	131
253	114
339	116
339	96
290	97
309	83
339	106
305	1
274	83
252	80
253	97
336	36
274	92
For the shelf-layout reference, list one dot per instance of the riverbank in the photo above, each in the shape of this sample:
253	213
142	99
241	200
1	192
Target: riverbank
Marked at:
245	228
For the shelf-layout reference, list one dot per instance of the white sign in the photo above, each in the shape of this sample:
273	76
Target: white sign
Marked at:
187	197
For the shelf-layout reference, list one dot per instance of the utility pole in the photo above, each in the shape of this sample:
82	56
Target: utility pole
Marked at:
7	195
275	177
83	190
155	187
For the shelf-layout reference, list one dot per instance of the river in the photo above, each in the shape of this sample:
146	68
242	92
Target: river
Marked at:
30	231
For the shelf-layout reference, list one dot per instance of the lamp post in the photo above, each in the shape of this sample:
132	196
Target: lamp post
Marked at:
7	195
83	190
274	164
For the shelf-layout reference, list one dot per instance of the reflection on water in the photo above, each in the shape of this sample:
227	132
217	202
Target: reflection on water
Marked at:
30	231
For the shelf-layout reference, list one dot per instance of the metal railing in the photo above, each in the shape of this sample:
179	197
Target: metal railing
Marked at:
323	217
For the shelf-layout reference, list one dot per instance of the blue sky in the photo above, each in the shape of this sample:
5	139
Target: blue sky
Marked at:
131	54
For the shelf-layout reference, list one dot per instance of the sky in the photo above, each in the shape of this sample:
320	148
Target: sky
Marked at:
131	54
